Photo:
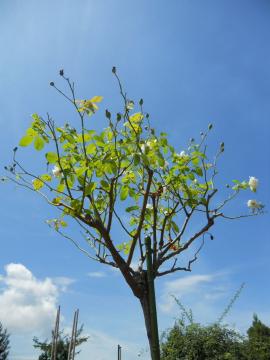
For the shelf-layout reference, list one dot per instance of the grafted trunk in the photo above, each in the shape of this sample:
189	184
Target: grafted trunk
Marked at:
148	303
146	313
152	333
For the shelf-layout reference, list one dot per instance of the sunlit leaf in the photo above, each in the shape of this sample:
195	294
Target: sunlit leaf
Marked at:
97	99
91	149
60	187
26	140
46	177
37	184
38	143
132	208
124	193
51	157
137	117
31	132
90	188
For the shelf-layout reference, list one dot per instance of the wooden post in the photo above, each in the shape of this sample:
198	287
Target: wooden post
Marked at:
72	343
75	333
155	350
55	335
119	355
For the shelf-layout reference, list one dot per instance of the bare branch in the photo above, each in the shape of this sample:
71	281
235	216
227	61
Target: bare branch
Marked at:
138	233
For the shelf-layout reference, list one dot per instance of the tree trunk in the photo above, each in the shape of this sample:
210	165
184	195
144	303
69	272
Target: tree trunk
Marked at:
154	347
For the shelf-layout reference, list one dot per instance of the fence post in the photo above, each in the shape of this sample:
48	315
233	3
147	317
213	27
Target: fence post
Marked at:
119	352
72	343
55	335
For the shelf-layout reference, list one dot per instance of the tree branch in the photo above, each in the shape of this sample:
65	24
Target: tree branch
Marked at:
138	233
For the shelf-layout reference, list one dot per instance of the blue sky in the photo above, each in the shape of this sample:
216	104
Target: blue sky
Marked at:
193	62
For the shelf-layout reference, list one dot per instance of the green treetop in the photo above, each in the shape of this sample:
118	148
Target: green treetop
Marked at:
93	177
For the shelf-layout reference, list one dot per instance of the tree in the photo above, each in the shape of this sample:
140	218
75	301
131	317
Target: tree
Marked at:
62	345
198	342
127	165
258	343
4	343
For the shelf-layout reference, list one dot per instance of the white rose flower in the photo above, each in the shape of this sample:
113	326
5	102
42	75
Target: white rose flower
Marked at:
253	183
183	155
56	171
253	204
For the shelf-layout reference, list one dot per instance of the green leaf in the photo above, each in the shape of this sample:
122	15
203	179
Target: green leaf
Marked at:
127	247
203	201
97	99
83	138
37	184
136	117
124	193
145	160
104	184
196	161
61	187
91	149
63	223
46	177
132	208
161	161
199	171
26	140
31	132
51	157
136	159
80	170
38	143
175	227
90	188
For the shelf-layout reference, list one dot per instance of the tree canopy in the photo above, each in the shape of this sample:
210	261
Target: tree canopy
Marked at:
194	341
94	177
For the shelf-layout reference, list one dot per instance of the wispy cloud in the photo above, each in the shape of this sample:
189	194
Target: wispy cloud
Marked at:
181	287
97	274
207	295
63	282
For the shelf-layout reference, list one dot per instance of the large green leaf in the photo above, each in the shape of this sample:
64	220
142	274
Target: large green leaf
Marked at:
90	188
51	157
132	208
26	140
91	149
124	193
37	184
38	143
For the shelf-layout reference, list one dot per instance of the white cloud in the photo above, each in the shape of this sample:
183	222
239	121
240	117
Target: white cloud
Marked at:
28	304
181	287
63	282
97	274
